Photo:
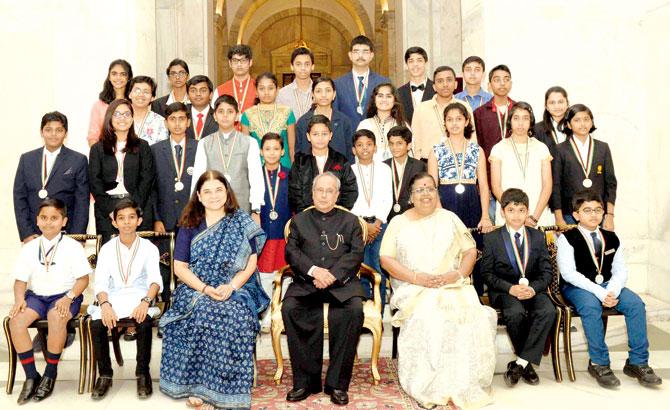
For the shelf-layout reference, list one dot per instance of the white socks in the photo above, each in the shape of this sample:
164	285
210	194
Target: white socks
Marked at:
521	362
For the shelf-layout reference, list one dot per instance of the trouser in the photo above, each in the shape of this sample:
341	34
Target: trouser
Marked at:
101	347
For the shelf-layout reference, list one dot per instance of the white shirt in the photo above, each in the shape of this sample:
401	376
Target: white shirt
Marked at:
321	162
365	86
51	158
194	119
144	271
120	188
171	99
559	135
255	168
380	189
417	95
566	264
69	264
512	232
583	149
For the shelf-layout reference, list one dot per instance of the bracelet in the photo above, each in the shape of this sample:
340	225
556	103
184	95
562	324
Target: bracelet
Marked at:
203	288
532	218
107	301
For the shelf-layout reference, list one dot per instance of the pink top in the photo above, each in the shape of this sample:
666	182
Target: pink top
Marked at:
95	124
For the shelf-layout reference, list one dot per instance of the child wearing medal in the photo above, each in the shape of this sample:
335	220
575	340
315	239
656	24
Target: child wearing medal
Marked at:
403	168
582	162
127	280
517	270
51	273
384	112
521	161
274	214
594	272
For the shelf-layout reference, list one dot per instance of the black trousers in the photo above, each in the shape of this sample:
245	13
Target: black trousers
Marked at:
303	321
528	323
101	347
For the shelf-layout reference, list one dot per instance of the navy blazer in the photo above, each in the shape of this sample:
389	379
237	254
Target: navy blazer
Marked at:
342	134
159	105
345	100
405	96
167	203
209	127
68	181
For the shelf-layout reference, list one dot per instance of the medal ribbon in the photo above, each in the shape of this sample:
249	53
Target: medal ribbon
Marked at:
44	175
381	128
366	192
523	167
522	265
139	133
592	249
240	103
586	168
230	154
502	122
459	168
275	191
299	102
179	167
48	261
440	120
397	180
125	274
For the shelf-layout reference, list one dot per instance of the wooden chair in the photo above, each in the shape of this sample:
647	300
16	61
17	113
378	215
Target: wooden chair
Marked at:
371	311
42	326
123	324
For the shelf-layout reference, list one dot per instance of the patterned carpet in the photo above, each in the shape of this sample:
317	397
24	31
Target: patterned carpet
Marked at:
363	394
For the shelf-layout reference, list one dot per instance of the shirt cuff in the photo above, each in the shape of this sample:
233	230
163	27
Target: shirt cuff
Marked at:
310	272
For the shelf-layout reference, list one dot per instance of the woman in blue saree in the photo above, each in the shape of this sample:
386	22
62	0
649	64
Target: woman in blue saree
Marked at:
209	332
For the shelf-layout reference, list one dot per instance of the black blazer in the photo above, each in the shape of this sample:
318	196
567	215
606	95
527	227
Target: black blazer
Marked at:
210	126
543	133
405	96
413	167
304	170
159	105
68	181
500	271
306	247
568	175
167	203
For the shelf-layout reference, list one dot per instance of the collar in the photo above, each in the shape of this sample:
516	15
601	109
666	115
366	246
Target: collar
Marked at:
513	232
171	98
494	108
418	84
123	247
241	83
355	75
329	213
48	243
226	135
51	154
203	112
586	231
173	143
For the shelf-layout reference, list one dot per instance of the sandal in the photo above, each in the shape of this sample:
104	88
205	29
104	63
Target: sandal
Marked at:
194	402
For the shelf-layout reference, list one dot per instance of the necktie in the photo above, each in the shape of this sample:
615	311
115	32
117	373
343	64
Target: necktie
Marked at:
597	245
519	245
417	87
360	87
177	150
198	126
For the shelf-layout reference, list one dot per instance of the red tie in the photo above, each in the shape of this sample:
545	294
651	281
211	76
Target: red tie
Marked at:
198	127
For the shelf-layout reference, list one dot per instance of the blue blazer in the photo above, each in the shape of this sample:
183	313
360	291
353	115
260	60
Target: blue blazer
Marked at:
342	134
68	181
345	100
168	204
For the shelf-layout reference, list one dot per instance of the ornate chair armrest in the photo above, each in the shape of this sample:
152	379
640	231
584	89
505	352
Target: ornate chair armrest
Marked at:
277	285
376	279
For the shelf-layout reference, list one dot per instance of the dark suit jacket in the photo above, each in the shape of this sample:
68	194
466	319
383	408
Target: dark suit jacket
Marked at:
342	134
304	170
168	204
405	96
159	105
210	126
345	101
568	175
543	133
500	271
306	247
488	129
413	167
68	181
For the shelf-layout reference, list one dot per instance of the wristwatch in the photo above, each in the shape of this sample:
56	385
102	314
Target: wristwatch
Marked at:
147	299
256	211
70	295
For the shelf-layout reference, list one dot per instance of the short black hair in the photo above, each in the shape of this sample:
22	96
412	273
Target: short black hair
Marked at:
54	116
177	107
522	105
177	62
318	119
240	50
473	59
499	67
143	79
362	40
363	133
302	51
272	136
228	99
514	196
56	203
126	203
400	131
200	79
442	68
416	50
570	114
586	195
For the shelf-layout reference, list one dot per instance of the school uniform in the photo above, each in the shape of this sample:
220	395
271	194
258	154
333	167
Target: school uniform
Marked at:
202	123
401	175
341	129
411	95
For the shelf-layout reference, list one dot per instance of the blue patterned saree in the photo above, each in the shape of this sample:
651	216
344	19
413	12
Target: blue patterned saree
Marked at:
208	345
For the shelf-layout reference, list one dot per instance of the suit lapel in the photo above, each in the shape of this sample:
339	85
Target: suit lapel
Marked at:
509	250
427	95
61	159
208	122
167	154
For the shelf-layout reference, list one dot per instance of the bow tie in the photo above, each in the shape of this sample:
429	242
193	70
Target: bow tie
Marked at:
418	87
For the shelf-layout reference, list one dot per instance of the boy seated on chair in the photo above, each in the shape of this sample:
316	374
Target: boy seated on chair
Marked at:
50	275
127	280
594	277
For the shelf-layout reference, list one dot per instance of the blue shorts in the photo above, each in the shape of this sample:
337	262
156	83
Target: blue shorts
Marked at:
43	304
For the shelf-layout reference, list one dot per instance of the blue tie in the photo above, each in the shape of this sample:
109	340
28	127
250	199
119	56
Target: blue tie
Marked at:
597	245
519	245
177	149
360	87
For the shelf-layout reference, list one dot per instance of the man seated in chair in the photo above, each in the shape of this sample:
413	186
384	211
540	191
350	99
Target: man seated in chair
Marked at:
50	275
594	274
127	280
325	250
517	270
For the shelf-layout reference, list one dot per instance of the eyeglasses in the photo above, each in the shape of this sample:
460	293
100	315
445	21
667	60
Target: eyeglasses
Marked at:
424	190
322	191
361	52
125	114
178	74
590	211
499	80
138	91
239	61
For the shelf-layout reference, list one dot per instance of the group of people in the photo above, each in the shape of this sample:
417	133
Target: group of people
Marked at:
322	175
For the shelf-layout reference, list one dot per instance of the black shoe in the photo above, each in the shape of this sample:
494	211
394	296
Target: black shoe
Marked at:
513	373
45	388
159	334
101	388
144	386
339	397
603	375
130	336
298	394
643	373
529	375
28	390
69	340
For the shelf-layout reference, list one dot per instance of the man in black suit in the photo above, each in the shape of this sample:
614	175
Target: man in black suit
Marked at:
517	270
177	72
53	171
200	90
325	250
419	88
173	164
403	168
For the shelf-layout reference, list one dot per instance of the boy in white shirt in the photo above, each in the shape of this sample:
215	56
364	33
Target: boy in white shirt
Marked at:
51	274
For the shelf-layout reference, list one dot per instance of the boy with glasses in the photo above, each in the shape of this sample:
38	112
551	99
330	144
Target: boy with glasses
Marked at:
177	73
242	87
